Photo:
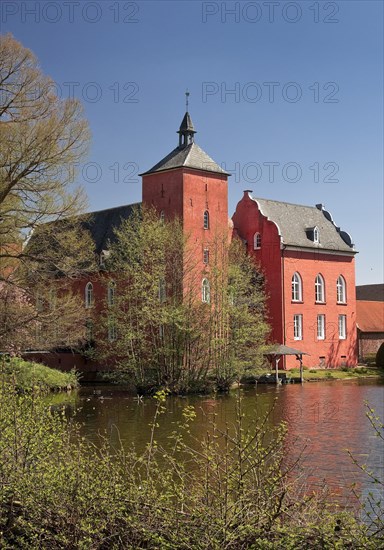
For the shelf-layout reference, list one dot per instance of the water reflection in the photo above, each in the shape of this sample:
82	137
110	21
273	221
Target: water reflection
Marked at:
325	419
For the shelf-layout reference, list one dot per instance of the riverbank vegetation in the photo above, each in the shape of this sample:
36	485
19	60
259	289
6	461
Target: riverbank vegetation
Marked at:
234	489
30	376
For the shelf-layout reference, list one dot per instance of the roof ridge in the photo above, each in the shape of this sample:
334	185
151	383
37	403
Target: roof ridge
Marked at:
285	202
112	208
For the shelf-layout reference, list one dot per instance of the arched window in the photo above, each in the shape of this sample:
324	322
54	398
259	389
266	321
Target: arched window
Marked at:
162	216
205	291
297	288
89	295
256	241
316	235
341	290
319	289
206	219
111	293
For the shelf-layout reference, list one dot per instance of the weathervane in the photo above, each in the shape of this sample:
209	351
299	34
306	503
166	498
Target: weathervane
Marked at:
186	99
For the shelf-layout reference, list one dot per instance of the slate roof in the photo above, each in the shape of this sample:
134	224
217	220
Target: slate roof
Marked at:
101	224
187	124
370	316
296	223
191	156
373	293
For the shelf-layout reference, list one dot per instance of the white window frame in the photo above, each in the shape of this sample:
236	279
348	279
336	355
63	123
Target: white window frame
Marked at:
256	241
297	288
205	292
342	324
316	235
341	290
89	296
321	326
319	289
298	326
206	219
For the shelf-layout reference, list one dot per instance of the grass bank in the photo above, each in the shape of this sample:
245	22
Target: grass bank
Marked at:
338	374
28	376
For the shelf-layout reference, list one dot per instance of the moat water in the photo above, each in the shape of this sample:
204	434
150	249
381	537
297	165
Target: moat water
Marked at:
324	419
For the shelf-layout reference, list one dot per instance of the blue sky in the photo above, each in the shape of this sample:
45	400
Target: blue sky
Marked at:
288	96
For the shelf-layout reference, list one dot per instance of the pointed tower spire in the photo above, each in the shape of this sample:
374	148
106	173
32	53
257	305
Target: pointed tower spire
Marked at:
186	131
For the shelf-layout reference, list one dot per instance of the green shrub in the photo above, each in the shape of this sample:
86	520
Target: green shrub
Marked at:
233	490
27	375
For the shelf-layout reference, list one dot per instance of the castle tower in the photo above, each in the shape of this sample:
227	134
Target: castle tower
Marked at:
188	184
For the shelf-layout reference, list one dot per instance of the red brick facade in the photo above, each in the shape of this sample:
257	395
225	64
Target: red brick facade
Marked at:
279	263
193	193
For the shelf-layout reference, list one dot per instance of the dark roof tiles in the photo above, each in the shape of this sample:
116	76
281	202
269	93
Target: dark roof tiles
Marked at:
295	220
191	156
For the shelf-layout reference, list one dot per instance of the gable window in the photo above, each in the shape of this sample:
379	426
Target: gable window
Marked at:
319	289
205	292
342	327
206	219
297	288
111	293
341	290
89	301
297	327
206	256
256	241
321	327
316	235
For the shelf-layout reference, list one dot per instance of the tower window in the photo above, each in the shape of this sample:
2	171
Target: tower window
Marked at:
256	241
89	300
205	292
162	290
297	288
206	219
162	216
206	256
341	290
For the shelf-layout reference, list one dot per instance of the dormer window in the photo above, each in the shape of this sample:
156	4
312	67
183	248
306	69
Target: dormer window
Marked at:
313	234
256	241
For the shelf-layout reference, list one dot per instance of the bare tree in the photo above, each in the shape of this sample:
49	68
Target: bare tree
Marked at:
43	138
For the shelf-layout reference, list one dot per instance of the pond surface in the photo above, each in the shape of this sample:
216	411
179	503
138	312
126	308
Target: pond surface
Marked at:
324	418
